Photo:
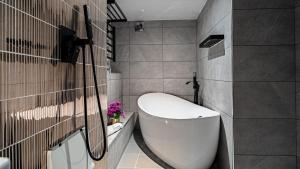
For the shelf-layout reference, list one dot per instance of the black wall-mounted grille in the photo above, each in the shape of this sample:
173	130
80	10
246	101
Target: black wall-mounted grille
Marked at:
114	14
211	41
111	42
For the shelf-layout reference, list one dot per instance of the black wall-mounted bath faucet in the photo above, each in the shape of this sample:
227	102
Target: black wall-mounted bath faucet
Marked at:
196	87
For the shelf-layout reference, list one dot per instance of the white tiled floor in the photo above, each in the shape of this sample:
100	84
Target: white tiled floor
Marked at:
135	158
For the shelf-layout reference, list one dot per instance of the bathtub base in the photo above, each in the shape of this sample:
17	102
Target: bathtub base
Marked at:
180	141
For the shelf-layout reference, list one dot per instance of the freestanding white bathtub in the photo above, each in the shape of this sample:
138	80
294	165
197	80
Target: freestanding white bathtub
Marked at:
181	133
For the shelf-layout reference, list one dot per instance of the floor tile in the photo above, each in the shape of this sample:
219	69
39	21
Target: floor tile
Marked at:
132	148
145	162
128	161
131	139
134	158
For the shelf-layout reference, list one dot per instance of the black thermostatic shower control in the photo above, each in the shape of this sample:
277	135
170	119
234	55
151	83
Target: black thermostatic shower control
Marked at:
69	50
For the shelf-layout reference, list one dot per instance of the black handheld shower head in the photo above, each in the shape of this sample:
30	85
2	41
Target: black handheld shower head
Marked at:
88	23
89	42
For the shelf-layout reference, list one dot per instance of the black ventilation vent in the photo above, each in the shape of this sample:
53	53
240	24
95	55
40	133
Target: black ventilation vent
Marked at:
211	41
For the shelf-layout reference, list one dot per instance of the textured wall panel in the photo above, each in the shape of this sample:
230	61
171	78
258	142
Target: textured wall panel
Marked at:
41	99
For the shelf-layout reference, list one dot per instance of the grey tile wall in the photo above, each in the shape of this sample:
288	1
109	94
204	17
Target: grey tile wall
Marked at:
160	59
41	98
179	52
114	87
264	100
297	46
251	27
264	162
264	63
269	137
263	4
264	84
215	73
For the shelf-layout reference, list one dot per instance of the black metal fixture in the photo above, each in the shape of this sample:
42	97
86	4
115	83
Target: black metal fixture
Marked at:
196	87
139	27
114	14
70	46
111	42
69	50
211	41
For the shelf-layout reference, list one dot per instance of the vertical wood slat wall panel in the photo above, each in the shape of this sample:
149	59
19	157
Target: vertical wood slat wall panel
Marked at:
41	98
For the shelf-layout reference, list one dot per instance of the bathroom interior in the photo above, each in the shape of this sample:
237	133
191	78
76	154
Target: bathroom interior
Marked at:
139	84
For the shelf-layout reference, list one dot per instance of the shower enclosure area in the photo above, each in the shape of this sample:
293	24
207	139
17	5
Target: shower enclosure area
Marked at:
41	98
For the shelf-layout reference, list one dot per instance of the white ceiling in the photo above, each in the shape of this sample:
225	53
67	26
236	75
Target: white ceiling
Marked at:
144	10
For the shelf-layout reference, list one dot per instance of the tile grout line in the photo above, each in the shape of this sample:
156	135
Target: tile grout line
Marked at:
136	162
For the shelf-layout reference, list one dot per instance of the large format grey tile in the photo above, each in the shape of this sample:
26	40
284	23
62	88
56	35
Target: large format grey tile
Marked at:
214	11
133	103
298	138
146	53
122	36
298	162
122	53
132	148
263	27
264	63
148	24
179	52
146	70
128	161
262	4
148	36
142	86
225	149
264	162
121	67
145	162
217	95
216	68
188	98
297	62
179	23
178	87
297	24
264	100
265	136
125	87
179	35
297	3
298	100
179	69
120	24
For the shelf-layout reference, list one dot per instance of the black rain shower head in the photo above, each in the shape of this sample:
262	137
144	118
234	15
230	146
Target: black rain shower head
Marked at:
139	27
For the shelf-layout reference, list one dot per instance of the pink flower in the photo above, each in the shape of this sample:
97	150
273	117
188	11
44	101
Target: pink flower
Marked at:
115	108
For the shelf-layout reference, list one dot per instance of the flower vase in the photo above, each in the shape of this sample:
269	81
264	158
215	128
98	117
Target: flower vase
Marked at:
116	118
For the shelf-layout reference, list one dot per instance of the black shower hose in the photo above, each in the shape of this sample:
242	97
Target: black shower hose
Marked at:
99	106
